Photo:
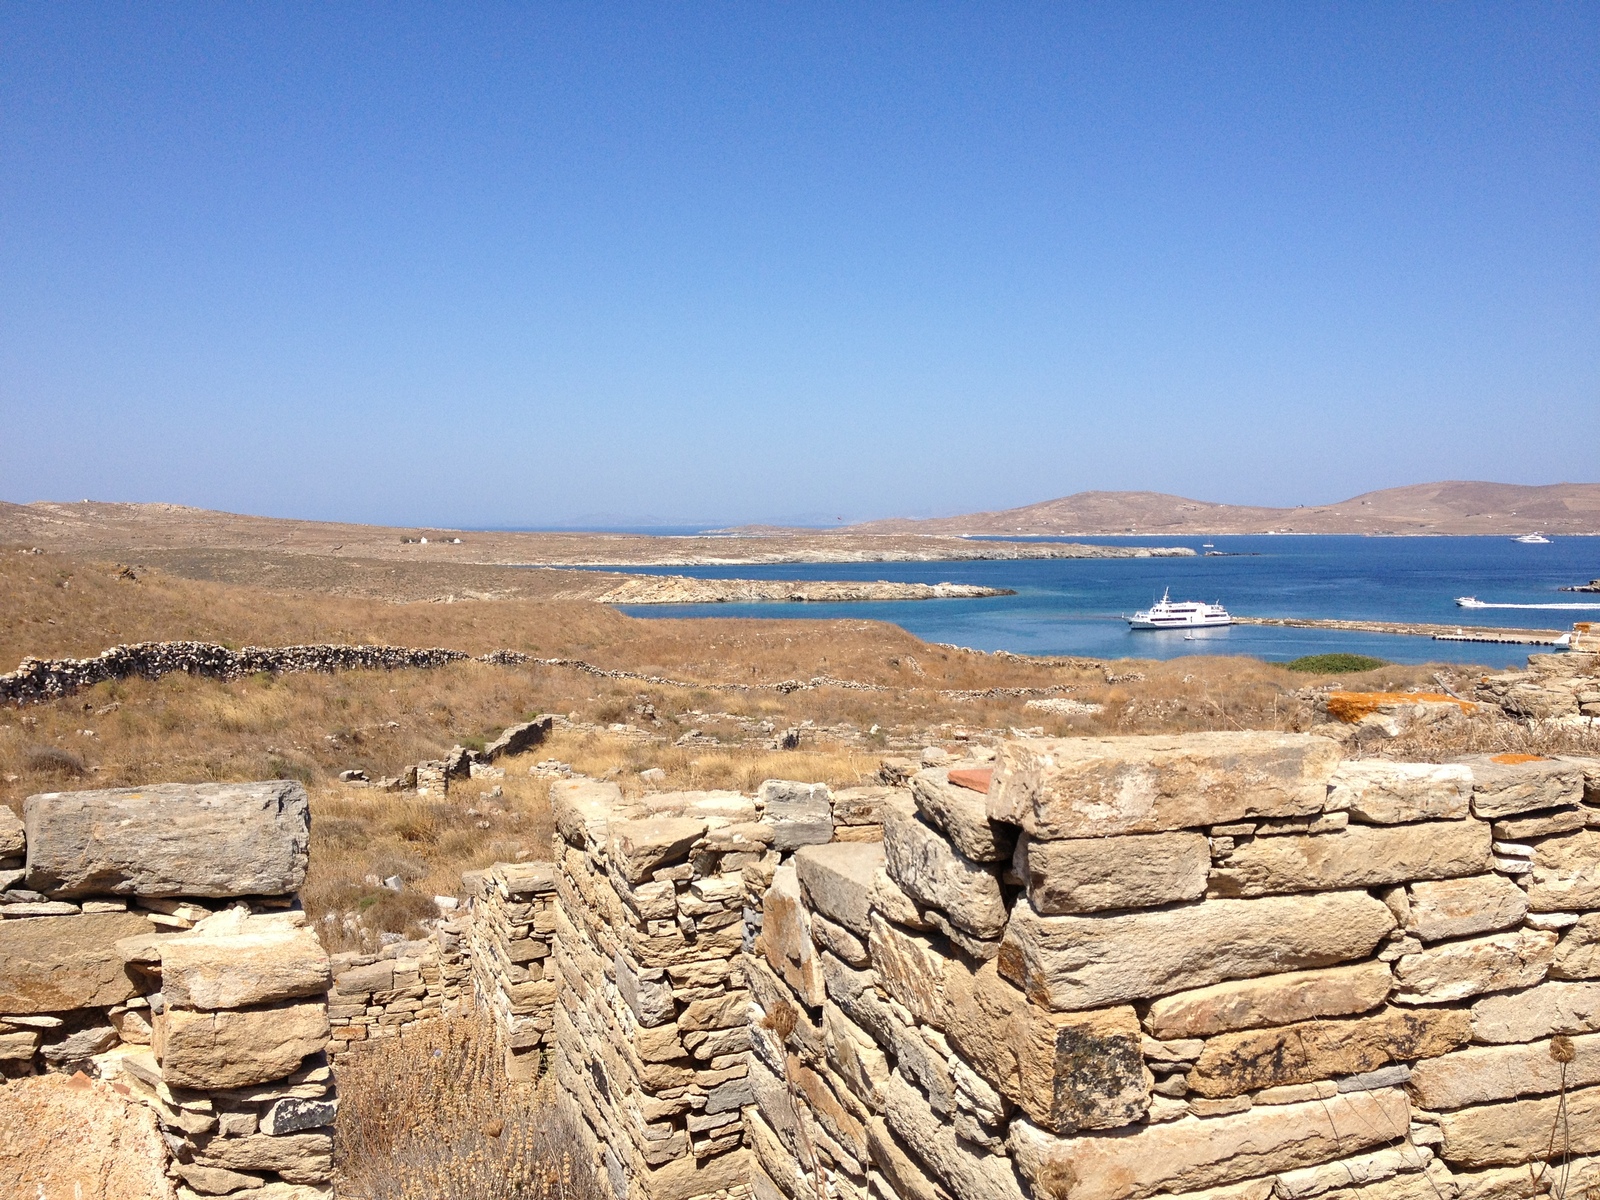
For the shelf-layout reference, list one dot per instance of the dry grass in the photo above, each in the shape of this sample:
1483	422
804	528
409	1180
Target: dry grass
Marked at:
433	1117
1488	735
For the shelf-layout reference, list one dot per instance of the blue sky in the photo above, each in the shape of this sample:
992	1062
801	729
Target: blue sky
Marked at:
543	264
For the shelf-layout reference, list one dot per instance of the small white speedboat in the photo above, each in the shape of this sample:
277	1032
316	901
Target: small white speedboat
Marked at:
1533	539
1179	614
1470	602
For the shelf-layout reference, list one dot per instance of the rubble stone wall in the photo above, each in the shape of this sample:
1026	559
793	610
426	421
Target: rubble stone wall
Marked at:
512	973
158	981
375	996
1224	964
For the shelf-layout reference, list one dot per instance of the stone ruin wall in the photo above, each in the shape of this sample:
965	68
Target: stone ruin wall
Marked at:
163	1005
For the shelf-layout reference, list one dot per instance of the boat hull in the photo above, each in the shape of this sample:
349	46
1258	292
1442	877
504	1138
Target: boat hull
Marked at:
1199	623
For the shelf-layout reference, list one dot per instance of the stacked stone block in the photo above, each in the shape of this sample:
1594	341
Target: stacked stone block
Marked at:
513	977
1225	964
377	995
152	940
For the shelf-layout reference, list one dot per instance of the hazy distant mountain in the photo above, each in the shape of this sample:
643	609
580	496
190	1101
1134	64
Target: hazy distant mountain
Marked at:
1503	508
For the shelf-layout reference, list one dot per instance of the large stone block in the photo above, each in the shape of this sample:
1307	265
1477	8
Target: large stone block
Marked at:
1456	970
1188	1155
236	1049
298	1157
12	839
1095	874
640	847
517	739
1066	1071
837	879
1484	1074
1390	793
1539	1012
932	873
1260	1058
1522	1131
962	814
174	839
1359	856
969	1171
786	937
1578	955
1453	908
1096	787
1285	999
1566	873
801	814
583	808
1075	962
1505	784
912	969
54	964
235	964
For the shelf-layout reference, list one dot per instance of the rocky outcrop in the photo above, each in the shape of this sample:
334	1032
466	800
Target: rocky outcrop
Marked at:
684	589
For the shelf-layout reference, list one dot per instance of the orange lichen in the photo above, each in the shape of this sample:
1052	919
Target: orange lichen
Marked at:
1350	707
1513	759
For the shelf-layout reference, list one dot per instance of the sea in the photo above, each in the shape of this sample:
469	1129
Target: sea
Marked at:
1076	606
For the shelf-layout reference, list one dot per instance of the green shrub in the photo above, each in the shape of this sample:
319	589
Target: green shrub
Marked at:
1335	664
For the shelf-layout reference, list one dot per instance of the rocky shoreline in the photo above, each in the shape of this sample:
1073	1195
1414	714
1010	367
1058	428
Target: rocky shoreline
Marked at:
1475	633
682	589
844	548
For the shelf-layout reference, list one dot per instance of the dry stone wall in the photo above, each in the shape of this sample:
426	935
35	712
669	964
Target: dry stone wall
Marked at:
375	996
512	971
158	981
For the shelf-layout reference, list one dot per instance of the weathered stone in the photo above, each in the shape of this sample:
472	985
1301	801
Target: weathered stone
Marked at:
212	1181
294	1116
1067	1071
18	1045
968	1171
1390	793
1521	1131
1578	955
1503	784
1455	908
1243	1062
1092	874
85	1043
582	809
73	1138
1097	787
517	739
1456	970
298	1157
1354	1178
12	839
1075	962
907	1178
1539	1012
173	839
911	969
888	899
1358	856
1538	825
801	814
236	1049
360	981
1483	1074
1284	999
646	991
859	806
639	847
263	962
786	937
932	873
53	964
961	813
837	880
1192	1154
1566	873
525	878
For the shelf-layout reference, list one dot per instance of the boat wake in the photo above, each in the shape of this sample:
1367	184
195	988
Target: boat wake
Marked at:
1474	602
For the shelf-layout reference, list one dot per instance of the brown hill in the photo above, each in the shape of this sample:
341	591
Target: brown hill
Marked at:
1423	508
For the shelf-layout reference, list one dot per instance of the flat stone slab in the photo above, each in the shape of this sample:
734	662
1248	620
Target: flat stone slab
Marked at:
173	839
55	964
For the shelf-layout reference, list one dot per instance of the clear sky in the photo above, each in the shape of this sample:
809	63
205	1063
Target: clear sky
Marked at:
544	264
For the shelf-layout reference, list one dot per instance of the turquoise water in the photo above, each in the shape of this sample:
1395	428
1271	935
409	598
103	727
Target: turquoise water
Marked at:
1073	606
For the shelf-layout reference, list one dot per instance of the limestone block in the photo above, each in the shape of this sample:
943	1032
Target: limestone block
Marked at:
854	1055
645	990
358	981
686	1177
53	964
1260	1058
1566	873
1357	856
1271	1000
266	961
1539	1012
1453	908
962	815
1390	793
1066	1071
839	940
801	814
639	847
786	937
1578	955
1082	875
911	969
1075	962
968	1171
888	899
517	739
933	873
858	806
1097	787
1351	1176
235	1049
1483	1074
1521	1131
837	880
173	839
298	1157
1503	786
1456	970
526	878
18	1045
1192	1154
855	992
907	1178
12	839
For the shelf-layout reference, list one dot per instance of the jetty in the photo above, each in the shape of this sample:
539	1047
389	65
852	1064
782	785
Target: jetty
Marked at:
1439	633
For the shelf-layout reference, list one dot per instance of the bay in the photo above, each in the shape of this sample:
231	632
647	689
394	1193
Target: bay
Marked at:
1074	606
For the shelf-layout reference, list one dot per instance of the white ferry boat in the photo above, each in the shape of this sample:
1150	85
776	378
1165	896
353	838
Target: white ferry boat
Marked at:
1180	614
1533	539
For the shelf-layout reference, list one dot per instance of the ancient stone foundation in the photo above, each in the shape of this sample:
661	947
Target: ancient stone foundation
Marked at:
163	1006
